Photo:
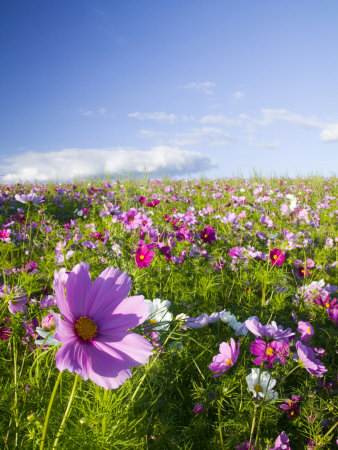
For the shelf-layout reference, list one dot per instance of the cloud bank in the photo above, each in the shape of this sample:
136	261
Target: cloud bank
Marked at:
68	164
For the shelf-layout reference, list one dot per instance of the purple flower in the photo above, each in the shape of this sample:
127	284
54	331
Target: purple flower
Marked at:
96	316
270	330
291	406
132	219
198	408
311	364
31	197
208	234
226	358
274	350
306	330
282	442
277	257
47	302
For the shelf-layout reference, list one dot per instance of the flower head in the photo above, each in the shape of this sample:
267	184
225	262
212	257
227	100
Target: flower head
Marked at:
311	364
271	330
159	314
93	331
291	406
277	257
226	358
282	442
208	234
144	256
306	330
275	350
261	384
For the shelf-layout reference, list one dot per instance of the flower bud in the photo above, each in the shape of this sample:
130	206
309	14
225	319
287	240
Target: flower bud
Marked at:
48	323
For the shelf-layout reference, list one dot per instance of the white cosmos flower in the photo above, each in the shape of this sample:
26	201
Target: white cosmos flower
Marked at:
293	202
159	314
261	386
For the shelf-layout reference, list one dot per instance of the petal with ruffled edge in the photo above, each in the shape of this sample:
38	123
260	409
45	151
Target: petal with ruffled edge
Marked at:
64	331
60	298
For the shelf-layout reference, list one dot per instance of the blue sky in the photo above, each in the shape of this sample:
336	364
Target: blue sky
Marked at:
183	87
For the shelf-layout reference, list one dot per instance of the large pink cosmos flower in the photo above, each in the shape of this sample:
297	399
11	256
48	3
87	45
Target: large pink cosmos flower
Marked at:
226	358
96	316
277	257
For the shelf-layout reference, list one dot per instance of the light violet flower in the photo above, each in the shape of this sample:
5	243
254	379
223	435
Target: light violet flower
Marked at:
282	442
132	219
31	197
261	384
96	317
227	357
306	330
307	358
270	330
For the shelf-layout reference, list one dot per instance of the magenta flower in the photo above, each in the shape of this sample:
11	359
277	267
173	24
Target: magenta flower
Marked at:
144	256
208	234
226	358
5	235
96	316
291	406
277	257
306	330
311	364
274	350
333	313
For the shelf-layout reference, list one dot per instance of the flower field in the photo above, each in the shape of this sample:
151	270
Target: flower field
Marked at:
169	314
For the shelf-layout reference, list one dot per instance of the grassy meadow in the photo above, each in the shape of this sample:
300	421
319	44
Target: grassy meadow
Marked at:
247	263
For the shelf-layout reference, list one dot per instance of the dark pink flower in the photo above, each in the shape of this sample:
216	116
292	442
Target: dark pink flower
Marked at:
274	350
144	256
208	234
277	257
291	406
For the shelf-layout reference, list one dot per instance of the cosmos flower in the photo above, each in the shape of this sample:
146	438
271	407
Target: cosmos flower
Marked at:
306	330
261	384
144	256
208	234
31	197
132	219
291	406
275	350
307	358
159	314
282	442
277	257
5	235
271	330
93	331
227	357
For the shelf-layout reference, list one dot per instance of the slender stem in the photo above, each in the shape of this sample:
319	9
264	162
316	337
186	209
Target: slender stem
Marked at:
253	427
66	414
104	421
45	425
259	425
331	429
220	427
15	356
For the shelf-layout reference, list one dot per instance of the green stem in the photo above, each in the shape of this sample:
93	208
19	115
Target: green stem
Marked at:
220	427
15	356
331	429
45	425
259	425
104	421
253	427
66	414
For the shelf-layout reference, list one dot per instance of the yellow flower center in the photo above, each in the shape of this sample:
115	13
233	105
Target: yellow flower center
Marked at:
141	257
309	330
152	321
130	219
229	362
205	236
292	413
86	328
269	351
327	304
290	402
275	256
258	388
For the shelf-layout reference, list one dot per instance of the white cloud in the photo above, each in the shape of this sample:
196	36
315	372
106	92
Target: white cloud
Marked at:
272	115
102	111
238	95
73	163
152	133
261	144
158	116
204	87
220	119
85	112
329	133
207	136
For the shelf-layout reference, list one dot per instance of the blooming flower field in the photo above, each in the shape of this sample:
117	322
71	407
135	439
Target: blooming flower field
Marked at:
169	314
